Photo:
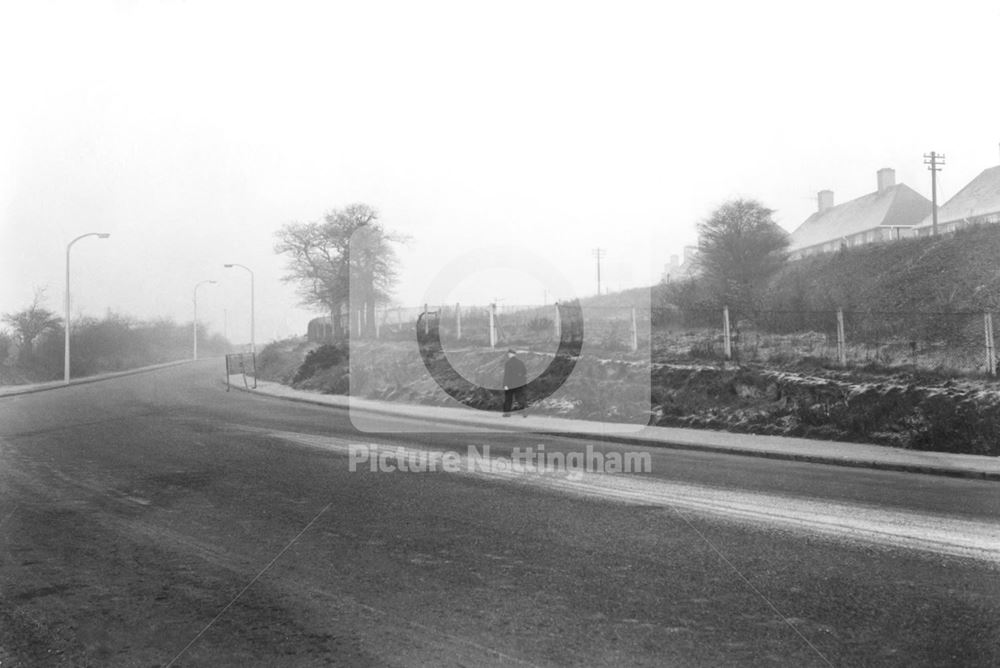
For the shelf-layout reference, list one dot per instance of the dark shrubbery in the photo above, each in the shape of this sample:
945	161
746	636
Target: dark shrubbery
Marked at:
320	359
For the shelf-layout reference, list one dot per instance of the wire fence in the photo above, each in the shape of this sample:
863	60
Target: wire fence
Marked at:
948	341
611	328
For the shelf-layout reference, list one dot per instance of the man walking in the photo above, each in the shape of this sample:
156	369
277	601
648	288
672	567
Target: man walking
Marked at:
515	377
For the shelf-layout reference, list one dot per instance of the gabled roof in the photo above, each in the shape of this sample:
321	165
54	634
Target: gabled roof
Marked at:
896	205
979	198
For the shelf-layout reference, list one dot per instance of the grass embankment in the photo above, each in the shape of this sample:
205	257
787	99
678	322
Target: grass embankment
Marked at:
912	305
909	410
944	274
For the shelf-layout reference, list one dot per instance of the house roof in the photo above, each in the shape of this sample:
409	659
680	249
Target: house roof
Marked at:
896	205
979	198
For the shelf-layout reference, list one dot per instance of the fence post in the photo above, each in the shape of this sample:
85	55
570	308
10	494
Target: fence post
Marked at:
427	322
558	323
493	328
991	358
635	332
841	339
727	344
458	321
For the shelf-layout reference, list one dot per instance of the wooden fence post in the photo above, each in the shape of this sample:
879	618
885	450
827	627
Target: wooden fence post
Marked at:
458	322
727	343
635	332
991	357
493	328
841	339
558	323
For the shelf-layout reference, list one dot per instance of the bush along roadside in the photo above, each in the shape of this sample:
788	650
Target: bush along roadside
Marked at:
306	366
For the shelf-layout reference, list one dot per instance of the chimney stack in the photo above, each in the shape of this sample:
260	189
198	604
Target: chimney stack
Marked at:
825	200
886	178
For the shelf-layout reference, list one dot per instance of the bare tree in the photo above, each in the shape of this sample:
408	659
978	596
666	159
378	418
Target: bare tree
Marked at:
30	323
350	244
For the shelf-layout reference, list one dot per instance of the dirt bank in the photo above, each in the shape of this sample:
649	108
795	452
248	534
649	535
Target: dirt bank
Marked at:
907	410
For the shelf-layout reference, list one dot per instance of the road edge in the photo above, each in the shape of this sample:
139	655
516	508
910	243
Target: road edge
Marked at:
57	385
926	469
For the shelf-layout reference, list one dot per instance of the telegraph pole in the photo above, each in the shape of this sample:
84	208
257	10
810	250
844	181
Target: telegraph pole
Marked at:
934	162
598	253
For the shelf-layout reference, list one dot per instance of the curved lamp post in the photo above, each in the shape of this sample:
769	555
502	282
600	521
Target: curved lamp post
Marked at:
99	235
197	285
253	343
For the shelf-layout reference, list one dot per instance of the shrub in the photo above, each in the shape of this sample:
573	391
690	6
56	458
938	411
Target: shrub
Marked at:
322	358
279	361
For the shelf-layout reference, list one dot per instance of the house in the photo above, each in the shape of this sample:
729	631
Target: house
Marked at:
891	212
978	202
677	270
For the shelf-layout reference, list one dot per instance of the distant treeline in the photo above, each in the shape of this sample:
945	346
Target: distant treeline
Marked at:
113	343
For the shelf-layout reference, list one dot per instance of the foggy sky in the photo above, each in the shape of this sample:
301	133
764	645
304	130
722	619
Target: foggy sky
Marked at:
191	131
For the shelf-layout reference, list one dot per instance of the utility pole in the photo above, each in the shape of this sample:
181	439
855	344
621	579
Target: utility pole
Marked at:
934	162
598	253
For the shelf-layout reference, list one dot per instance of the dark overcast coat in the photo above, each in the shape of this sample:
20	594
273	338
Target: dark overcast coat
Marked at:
514	373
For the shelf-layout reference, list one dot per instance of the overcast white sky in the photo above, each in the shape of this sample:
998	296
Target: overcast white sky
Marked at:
192	130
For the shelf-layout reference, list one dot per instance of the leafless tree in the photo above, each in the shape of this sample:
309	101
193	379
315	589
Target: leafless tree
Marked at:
325	257
30	323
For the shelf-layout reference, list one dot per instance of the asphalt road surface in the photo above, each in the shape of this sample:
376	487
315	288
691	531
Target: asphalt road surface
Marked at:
157	520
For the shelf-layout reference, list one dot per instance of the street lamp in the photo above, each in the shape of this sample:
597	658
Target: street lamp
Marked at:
99	235
253	340
197	285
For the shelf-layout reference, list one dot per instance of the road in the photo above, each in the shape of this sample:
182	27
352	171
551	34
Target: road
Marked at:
157	520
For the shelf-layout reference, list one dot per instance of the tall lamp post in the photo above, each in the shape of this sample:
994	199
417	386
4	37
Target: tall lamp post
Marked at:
197	285
99	235
253	340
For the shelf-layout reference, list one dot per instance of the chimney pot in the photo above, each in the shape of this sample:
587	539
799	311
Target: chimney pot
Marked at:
886	178
824	199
